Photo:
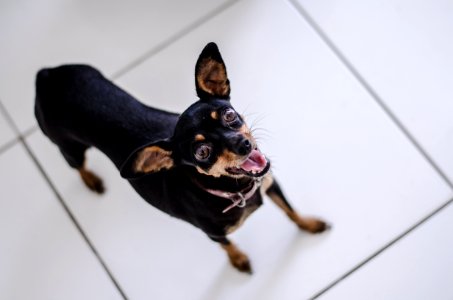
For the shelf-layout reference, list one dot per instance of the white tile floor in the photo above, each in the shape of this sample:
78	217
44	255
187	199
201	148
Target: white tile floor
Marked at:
355	100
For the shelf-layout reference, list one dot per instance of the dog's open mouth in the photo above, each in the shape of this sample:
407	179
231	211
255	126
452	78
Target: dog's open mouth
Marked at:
256	165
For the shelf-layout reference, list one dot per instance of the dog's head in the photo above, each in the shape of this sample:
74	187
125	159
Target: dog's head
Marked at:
209	136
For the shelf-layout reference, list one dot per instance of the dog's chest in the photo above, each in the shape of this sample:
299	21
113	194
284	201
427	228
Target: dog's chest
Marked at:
243	213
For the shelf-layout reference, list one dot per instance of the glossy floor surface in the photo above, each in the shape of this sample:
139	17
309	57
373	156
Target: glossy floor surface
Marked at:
352	102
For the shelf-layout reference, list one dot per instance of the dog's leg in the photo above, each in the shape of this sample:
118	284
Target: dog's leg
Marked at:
74	153
237	258
274	191
91	180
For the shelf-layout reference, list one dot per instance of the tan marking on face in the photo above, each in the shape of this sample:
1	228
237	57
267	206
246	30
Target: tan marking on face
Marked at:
247	133
214	115
200	170
245	130
226	160
153	159
199	138
212	78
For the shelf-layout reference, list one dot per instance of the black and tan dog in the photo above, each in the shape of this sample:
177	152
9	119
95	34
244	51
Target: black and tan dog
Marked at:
202	166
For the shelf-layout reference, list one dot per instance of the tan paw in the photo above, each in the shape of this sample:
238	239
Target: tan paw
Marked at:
241	262
238	259
312	225
92	181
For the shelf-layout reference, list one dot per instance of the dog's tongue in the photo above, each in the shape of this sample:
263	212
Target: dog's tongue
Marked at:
256	162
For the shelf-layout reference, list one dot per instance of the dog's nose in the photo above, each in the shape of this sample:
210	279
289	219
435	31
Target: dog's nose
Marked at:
244	146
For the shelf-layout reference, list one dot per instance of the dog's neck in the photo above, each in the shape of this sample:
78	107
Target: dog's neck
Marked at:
238	199
238	190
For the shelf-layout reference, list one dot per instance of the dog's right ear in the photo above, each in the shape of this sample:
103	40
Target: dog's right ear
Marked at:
151	158
211	78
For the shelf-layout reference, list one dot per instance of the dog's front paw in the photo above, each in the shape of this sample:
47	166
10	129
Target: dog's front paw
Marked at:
237	258
241	262
312	225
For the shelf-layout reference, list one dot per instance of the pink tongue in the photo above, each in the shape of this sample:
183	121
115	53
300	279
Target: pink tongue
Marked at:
256	162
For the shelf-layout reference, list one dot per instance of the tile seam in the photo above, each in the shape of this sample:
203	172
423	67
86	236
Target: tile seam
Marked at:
8	145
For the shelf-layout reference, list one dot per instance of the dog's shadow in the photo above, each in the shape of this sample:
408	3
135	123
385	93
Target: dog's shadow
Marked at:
262	281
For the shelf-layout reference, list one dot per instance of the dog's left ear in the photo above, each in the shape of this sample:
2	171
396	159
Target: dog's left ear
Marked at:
210	74
151	158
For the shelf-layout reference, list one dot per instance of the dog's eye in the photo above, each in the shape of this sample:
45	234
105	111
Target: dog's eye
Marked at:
229	115
203	151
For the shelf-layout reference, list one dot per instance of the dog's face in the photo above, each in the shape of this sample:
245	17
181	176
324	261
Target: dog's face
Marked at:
213	137
210	135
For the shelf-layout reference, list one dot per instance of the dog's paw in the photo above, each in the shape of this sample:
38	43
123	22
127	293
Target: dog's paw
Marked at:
237	258
312	225
92	181
241	262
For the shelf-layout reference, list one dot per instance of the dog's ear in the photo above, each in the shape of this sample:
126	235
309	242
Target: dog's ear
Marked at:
210	74
151	158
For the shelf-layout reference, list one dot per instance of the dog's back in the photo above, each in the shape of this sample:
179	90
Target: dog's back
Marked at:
76	107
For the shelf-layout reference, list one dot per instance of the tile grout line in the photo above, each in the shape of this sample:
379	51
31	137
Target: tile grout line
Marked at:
9	144
173	38
21	139
10	121
370	90
15	140
30	131
381	250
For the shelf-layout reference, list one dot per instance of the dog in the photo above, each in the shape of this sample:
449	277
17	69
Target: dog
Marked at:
202	166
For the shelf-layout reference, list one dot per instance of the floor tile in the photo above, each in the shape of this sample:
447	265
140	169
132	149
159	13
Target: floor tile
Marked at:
420	266
6	132
404	51
42	256
108	34
335	152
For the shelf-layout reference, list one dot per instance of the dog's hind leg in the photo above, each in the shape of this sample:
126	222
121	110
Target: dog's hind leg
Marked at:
74	153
